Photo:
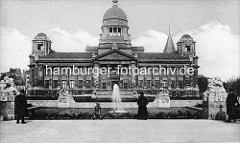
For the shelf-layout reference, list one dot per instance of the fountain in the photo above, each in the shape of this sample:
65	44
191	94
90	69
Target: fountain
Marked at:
117	101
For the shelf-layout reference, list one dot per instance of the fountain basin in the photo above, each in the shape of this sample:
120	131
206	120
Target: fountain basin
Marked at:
117	112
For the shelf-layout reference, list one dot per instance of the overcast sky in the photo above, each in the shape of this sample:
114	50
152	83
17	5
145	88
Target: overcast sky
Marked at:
73	24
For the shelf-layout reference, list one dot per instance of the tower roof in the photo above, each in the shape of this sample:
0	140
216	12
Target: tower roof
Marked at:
169	47
186	36
115	13
41	34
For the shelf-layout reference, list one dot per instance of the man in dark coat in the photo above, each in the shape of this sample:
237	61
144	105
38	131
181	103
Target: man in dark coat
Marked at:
231	106
20	107
221	115
142	106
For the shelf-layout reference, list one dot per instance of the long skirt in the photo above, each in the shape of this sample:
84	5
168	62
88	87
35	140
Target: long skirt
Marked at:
142	112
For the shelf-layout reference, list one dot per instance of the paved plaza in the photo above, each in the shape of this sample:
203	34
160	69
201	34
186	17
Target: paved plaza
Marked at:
119	131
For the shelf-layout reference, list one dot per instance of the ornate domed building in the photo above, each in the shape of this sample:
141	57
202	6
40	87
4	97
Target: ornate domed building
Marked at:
51	71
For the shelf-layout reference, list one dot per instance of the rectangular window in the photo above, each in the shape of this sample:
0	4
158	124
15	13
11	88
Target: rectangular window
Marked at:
115	29
88	84
125	85
39	46
80	83
161	84
188	48
110	30
174	93
140	84
149	84
46	83
187	82
121	84
104	85
180	84
164	83
55	83
119	32
156	84
64	83
173	83
72	84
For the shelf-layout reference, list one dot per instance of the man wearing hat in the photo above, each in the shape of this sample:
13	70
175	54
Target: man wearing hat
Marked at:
20	107
221	115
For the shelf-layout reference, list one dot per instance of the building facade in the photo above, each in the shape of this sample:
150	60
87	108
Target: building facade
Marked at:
85	72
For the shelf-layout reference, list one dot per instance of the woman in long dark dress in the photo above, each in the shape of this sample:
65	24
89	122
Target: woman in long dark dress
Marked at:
142	107
20	107
231	106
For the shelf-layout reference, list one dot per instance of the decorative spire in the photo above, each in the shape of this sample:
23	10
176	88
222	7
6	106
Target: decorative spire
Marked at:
169	47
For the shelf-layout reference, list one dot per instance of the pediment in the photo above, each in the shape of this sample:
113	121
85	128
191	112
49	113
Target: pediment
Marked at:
115	55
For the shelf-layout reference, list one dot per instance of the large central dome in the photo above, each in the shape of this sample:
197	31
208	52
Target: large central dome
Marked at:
114	29
115	13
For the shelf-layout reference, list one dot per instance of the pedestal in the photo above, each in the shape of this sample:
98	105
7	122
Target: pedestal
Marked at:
7	110
211	106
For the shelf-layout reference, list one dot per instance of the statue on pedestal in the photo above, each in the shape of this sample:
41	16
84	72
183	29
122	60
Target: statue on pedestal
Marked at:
214	97
8	91
65	98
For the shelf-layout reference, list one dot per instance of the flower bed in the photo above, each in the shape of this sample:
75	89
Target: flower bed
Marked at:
65	113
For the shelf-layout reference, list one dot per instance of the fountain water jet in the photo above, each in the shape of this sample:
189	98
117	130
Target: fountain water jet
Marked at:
117	100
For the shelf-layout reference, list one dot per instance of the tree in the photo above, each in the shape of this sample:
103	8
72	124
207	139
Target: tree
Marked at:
202	83
233	83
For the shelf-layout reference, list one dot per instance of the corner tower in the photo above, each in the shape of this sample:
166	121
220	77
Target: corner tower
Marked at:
114	30
41	45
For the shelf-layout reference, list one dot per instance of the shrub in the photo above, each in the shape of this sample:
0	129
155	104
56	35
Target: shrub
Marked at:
160	115
173	115
189	115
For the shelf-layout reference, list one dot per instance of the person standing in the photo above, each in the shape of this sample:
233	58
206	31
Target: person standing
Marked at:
20	107
97	111
221	115
231	102
142	106
238	108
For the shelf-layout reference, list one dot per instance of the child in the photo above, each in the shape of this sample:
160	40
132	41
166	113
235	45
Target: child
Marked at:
97	111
